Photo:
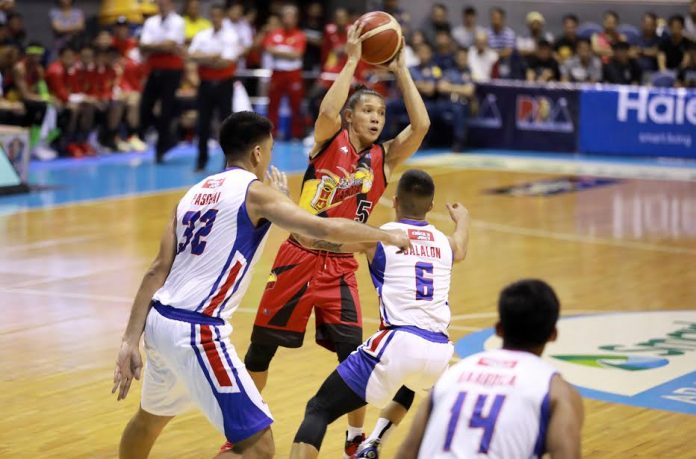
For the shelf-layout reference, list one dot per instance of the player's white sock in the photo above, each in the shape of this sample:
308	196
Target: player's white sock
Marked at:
354	432
383	429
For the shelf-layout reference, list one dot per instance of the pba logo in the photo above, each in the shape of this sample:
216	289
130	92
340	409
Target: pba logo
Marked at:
541	113
645	359
213	183
420	235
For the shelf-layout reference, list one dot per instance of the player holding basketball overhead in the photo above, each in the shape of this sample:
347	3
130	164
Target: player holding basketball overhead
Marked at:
196	282
504	403
347	175
412	348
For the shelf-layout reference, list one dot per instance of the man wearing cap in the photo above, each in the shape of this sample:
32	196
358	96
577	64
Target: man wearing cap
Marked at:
161	44
215	50
527	44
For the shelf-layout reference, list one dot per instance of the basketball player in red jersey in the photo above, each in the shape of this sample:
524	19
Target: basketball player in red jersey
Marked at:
347	174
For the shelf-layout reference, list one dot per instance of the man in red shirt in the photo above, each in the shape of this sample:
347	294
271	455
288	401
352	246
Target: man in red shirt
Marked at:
65	81
346	177
121	38
286	46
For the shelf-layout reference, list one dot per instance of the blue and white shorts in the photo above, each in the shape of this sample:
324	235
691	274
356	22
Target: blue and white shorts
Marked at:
399	356
190	360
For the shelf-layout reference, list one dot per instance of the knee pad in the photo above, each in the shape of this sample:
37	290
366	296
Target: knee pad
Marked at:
404	397
314	425
343	350
259	356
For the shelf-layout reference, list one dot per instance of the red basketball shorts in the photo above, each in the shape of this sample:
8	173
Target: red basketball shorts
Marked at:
302	280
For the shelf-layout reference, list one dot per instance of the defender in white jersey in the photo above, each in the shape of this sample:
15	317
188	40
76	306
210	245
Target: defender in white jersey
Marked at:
506	403
197	281
412	348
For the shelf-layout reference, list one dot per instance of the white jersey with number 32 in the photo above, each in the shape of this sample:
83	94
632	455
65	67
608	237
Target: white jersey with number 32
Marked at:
493	404
217	246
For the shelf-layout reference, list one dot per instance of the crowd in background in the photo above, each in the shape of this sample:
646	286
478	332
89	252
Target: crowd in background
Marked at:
86	93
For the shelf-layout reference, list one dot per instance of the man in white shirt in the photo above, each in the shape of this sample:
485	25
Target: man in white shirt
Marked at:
465	33
161	43
215	50
245	32
481	59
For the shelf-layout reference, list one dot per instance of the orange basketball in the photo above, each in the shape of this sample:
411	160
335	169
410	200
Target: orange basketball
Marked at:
383	37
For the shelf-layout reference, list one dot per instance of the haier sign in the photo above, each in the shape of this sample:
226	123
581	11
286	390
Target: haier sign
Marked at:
638	121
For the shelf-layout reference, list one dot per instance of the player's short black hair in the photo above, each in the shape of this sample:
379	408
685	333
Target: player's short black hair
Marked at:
361	90
650	14
528	311
469	11
620	46
241	131
499	10
583	40
415	191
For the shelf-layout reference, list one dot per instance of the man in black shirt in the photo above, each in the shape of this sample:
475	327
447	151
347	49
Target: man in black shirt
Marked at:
672	48
542	66
566	44
622	69
648	43
686	78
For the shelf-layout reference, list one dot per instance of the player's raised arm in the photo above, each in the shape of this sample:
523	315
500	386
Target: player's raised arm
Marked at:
410	447
129	364
405	144
459	239
329	120
567	415
264	202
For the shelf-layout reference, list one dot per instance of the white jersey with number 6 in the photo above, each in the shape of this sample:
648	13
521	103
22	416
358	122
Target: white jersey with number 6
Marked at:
217	246
413	286
493	404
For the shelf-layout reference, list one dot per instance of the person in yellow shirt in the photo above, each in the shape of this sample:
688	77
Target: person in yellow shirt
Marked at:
193	20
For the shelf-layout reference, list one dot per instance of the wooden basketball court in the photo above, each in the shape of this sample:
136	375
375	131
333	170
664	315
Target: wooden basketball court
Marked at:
68	275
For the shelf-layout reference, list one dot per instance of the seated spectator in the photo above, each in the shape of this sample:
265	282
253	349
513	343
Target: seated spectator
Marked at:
622	68
122	38
5	39
501	38
313	27
565	46
690	22
456	89
444	50
402	16
686	77
67	22
584	67
28	78
426	76
648	43
481	59
11	109
6	7
130	78
193	21
527	44
109	109
16	31
603	42
542	66
436	22
673	46
465	33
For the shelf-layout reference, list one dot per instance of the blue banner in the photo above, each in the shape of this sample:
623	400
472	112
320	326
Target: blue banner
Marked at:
638	121
525	117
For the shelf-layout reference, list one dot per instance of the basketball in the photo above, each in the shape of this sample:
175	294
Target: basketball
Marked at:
383	37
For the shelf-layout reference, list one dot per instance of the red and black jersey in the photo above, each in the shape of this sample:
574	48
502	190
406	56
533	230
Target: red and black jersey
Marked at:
342	182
